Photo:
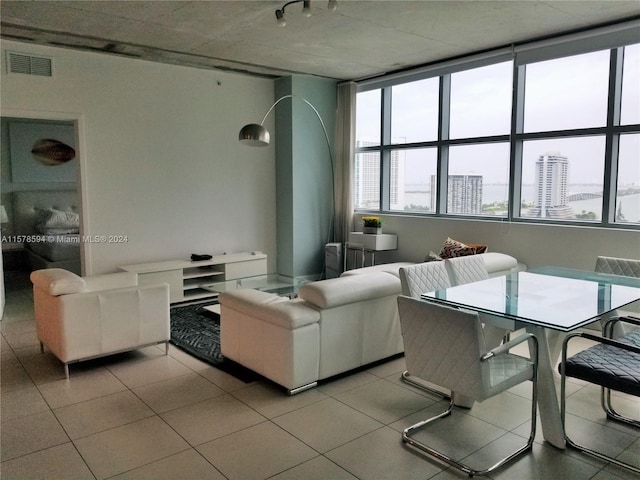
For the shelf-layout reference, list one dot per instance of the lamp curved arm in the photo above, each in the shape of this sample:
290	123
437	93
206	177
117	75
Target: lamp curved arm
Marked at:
324	128
258	135
315	110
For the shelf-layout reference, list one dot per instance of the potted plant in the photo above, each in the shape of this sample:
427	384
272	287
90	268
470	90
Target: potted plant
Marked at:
372	225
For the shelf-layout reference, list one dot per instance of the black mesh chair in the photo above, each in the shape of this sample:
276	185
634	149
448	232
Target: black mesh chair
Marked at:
611	364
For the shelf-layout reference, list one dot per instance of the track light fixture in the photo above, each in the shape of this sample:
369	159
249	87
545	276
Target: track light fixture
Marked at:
306	9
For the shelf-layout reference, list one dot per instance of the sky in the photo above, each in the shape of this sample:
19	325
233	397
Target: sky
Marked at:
555	93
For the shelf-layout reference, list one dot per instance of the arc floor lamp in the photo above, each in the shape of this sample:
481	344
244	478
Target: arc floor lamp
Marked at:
257	135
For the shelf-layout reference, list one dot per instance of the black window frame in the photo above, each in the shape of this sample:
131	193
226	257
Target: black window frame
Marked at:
612	39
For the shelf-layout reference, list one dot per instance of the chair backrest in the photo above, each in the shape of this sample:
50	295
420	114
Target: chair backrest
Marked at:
466	269
618	266
443	345
423	277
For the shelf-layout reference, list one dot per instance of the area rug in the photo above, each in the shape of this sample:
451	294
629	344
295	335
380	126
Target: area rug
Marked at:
197	332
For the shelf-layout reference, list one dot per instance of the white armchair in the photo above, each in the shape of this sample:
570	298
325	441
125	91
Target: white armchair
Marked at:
80	318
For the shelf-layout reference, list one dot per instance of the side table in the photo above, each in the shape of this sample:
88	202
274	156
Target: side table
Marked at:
366	243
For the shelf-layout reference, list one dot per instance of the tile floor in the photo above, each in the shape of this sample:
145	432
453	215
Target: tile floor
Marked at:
145	415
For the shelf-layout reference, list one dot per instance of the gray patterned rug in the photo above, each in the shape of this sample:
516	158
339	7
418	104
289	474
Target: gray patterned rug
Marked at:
197	332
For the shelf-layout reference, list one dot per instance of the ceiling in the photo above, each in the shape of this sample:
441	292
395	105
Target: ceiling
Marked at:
360	39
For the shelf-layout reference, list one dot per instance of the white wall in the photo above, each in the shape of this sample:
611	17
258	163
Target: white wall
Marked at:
533	244
160	161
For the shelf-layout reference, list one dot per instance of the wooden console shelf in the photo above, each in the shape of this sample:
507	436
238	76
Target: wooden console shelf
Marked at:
187	278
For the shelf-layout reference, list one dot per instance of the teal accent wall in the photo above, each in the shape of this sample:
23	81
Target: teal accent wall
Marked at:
304	194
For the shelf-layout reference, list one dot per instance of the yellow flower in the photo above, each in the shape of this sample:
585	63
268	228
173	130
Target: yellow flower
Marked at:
372	221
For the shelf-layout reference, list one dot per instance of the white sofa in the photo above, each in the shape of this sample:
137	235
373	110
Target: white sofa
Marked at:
333	326
79	318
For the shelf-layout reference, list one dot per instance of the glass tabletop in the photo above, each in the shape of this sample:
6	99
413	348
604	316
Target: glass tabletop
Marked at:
552	297
272	283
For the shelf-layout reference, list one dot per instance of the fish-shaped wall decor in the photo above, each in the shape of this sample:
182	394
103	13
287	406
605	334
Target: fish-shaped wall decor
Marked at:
52	152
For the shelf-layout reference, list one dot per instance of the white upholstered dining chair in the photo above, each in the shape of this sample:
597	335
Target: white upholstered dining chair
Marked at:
423	277
445	346
626	267
416	280
618	266
468	269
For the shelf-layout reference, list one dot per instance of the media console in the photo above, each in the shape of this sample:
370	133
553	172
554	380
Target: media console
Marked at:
188	280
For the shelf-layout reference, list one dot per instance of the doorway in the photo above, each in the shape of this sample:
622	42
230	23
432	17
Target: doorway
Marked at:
38	181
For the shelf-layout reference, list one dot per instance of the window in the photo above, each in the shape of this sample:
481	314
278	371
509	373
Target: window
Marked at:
368	118
414	169
367	176
478	179
631	86
481	101
627	207
567	93
523	136
414	111
562	178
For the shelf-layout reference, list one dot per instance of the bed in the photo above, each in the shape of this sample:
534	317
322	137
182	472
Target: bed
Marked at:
48	223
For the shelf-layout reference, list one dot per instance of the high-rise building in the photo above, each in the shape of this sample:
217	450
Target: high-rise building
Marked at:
464	194
367	178
552	175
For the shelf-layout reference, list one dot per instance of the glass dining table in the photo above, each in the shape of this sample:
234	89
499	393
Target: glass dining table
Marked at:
548	302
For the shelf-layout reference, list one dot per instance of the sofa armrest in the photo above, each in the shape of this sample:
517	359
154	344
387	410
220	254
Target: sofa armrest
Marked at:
279	311
57	281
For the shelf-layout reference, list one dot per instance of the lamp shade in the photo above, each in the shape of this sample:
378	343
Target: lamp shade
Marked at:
254	135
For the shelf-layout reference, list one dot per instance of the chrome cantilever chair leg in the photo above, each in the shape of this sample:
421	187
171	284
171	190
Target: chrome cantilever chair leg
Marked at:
406	437
605	393
408	378
607	406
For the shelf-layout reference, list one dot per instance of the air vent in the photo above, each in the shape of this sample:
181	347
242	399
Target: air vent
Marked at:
29	65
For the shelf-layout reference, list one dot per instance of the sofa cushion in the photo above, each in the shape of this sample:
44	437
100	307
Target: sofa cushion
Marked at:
57	281
350	289
498	262
280	311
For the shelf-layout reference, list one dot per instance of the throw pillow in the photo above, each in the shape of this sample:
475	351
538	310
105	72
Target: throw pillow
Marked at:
480	248
454	248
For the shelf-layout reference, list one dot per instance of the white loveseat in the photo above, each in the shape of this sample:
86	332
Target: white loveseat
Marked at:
333	326
79	318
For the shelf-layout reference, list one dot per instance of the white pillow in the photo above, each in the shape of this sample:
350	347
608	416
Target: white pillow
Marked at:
57	231
54	218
